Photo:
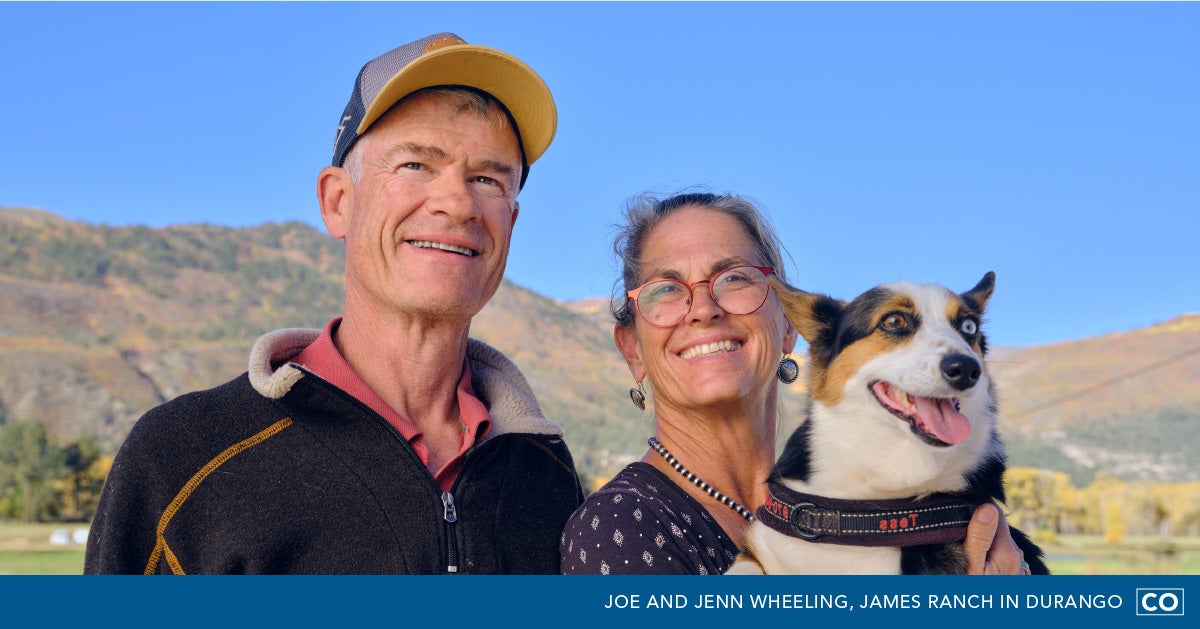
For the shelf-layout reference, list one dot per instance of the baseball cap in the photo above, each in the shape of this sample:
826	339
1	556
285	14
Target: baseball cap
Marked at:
445	59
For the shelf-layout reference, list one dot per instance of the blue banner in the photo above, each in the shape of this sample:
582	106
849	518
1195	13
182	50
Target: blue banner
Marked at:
608	602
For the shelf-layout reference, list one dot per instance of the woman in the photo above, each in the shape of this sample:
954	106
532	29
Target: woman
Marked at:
700	324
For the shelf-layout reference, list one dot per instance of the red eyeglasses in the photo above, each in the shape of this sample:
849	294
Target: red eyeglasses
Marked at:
737	290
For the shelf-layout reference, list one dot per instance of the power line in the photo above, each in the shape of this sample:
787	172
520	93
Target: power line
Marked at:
1107	383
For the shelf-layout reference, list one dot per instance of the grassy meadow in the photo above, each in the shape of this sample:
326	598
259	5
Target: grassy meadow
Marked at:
26	549
1090	554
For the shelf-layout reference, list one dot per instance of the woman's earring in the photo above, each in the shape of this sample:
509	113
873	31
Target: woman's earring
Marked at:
789	370
638	396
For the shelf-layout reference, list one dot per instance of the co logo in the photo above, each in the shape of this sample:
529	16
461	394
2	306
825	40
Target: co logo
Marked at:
1160	602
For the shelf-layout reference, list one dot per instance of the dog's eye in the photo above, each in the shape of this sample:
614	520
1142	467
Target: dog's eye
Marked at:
968	327
895	321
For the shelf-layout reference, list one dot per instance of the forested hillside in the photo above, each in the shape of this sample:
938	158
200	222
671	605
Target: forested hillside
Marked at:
99	324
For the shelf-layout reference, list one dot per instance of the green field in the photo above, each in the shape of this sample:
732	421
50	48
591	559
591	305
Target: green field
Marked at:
26	549
1088	554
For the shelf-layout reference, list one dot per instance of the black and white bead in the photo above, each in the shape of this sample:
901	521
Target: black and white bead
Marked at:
699	482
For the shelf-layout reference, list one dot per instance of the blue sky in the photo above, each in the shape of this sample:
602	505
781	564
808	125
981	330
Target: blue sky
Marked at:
1057	144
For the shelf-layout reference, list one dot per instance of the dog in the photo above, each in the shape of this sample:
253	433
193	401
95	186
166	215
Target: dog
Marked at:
899	444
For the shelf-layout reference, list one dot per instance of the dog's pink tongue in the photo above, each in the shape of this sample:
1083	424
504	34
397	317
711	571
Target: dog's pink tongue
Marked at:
941	420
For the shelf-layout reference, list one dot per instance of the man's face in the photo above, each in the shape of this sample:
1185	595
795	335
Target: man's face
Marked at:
428	224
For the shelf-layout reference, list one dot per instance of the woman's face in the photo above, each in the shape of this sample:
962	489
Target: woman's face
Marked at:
711	358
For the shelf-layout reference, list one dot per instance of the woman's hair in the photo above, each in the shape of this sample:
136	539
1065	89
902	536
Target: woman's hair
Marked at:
644	212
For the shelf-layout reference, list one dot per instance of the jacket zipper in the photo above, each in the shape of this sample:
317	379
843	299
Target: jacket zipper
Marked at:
451	516
449	511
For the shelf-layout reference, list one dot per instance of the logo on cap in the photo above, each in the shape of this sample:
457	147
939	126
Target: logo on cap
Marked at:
441	43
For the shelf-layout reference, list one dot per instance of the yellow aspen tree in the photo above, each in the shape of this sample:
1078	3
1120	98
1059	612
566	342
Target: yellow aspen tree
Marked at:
1114	524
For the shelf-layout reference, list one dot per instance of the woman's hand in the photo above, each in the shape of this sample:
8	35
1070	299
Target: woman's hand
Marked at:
989	546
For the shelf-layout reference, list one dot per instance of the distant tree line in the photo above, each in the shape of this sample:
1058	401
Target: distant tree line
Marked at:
43	482
1045	503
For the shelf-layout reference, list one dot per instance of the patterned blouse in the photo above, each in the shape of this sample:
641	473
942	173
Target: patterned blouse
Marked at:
641	522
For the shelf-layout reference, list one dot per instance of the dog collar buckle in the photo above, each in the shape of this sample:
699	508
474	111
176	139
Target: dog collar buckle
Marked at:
810	521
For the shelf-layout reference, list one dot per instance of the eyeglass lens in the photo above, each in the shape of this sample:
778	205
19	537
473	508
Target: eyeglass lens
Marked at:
739	290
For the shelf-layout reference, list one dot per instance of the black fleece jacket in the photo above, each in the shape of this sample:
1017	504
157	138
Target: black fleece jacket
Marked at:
280	472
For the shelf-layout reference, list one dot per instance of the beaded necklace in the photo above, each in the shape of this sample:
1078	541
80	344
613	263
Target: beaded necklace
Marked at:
699	482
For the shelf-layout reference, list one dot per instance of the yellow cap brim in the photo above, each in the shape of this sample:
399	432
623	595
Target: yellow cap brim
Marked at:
505	77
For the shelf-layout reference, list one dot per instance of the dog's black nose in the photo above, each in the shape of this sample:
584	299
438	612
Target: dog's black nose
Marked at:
961	371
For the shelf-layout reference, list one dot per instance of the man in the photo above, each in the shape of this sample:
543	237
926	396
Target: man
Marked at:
388	442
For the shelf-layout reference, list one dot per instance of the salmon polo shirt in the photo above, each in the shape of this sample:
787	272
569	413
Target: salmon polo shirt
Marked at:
323	359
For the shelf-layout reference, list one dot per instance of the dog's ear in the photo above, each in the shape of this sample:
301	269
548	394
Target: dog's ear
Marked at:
978	297
810	313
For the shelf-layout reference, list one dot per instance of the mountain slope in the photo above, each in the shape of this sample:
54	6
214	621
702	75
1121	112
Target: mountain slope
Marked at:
98	324
1126	403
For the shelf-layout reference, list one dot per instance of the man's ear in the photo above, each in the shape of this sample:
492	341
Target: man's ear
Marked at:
513	222
628	346
335	194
